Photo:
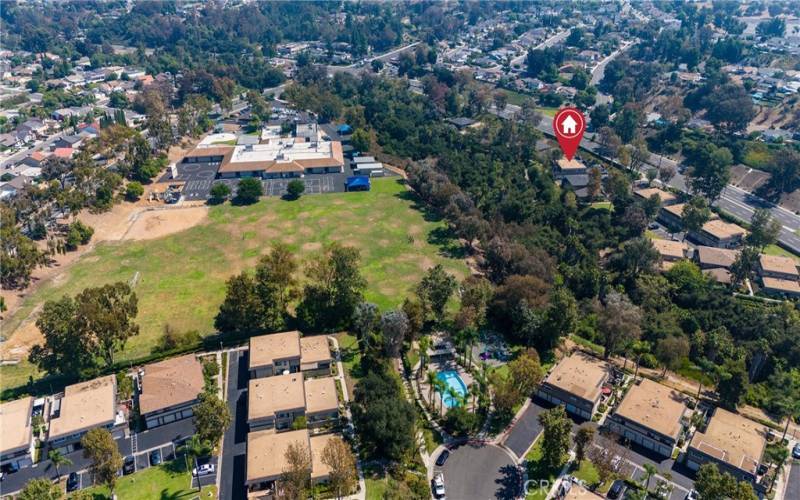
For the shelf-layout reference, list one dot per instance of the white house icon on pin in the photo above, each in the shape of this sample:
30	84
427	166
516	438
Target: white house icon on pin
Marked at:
568	125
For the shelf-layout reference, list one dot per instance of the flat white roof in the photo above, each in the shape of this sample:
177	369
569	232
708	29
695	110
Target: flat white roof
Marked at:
283	150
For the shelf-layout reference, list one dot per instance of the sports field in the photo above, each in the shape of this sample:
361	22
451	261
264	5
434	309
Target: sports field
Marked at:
181	277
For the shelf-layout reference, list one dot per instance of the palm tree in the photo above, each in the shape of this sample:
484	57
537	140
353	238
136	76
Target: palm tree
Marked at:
650	470
58	459
470	337
474	391
640	348
455	396
441	388
195	448
424	345
431	379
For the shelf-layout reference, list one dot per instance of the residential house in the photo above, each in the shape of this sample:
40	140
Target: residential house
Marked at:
65	153
68	141
37	126
16	446
315	355
322	404
266	459
672	215
776	286
14	186
732	442
169	389
82	407
578	184
721	234
274	354
666	198
715	258
777	266
35	159
670	252
564	167
650	415
576	382
275	402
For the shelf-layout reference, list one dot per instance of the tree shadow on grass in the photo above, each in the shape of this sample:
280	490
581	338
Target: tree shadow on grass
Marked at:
428	213
449	246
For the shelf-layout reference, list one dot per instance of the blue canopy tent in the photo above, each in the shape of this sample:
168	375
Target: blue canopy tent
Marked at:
357	183
345	129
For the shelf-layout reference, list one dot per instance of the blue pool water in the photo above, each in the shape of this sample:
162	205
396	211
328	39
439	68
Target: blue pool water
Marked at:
452	380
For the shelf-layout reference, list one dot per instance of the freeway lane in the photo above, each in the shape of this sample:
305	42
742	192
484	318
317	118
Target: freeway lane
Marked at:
734	201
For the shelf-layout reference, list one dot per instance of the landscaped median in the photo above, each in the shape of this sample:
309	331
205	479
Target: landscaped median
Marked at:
169	480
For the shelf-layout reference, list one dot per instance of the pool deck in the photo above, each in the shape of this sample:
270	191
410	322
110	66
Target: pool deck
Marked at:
440	366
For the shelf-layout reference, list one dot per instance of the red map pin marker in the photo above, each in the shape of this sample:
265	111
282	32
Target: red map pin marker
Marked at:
569	126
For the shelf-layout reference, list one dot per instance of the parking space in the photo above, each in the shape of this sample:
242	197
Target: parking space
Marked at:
206	479
525	431
142	461
479	470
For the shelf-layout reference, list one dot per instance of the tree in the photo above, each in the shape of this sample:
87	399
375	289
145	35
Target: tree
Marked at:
78	234
295	188
435	290
276	285
666	173
500	99
248	191
360	140
732	383
211	418
415	314
599	116
334	288
626	123
583	441
637	256
695	214
506	394
394	329
711	483
526	371
764	229
609	142
383	417
99	447
650	470
744	266
341	462
219	192
366	318
134	190
671	351
295	482
619	321
710	169
124	386
41	489
19	256
197	448
729	108
595	182
459	421
556	431
58	460
242	311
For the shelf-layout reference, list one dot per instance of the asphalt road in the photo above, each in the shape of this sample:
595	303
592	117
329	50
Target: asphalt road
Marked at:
557	38
525	431
232	469
480	472
793	482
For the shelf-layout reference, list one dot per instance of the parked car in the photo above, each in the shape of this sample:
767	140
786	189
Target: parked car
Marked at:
73	481
443	456
617	489
203	470
796	451
438	486
129	467
155	458
692	495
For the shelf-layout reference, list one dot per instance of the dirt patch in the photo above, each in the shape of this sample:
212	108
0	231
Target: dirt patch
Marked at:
425	262
311	246
24	338
157	223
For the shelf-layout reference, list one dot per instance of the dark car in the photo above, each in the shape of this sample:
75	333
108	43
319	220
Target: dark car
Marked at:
617	489
129	466
73	481
442	458
155	457
796	451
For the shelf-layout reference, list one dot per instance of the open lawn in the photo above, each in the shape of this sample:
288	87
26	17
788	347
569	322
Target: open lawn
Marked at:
182	276
776	250
169	480
538	472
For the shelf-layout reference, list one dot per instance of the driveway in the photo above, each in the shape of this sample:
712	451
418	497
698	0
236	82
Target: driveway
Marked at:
525	430
234	448
793	482
477	471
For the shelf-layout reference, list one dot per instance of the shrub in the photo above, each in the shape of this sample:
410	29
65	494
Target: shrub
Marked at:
295	188
459	421
134	190
220	192
248	191
78	234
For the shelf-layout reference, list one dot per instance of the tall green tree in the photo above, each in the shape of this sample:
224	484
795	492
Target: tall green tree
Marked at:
711	483
295	481
101	448
58	460
732	383
583	441
211	418
248	191
383	417
619	321
435	290
710	169
41	489
242	311
556	431
764	229
276	284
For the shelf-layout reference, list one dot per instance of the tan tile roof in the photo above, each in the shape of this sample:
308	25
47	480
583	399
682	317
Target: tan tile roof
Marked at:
579	374
319	470
779	285
314	349
85	406
321	395
170	383
264	350
269	395
580	493
266	453
671	249
572	164
664	196
722	230
653	406
210	151
732	439
778	264
717	257
676	210
719	274
15	422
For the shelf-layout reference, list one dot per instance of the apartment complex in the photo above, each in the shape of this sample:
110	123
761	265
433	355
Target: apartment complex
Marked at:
276	402
287	352
16	445
650	415
266	458
168	390
576	382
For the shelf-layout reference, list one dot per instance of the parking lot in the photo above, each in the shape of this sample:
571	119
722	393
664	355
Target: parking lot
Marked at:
481	471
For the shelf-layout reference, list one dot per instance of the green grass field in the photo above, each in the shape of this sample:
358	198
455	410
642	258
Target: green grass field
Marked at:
182	276
170	480
776	250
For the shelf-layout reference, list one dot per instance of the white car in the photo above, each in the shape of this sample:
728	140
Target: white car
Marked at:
203	470
692	495
438	486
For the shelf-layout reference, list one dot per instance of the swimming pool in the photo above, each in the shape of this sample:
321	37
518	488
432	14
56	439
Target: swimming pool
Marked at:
453	381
